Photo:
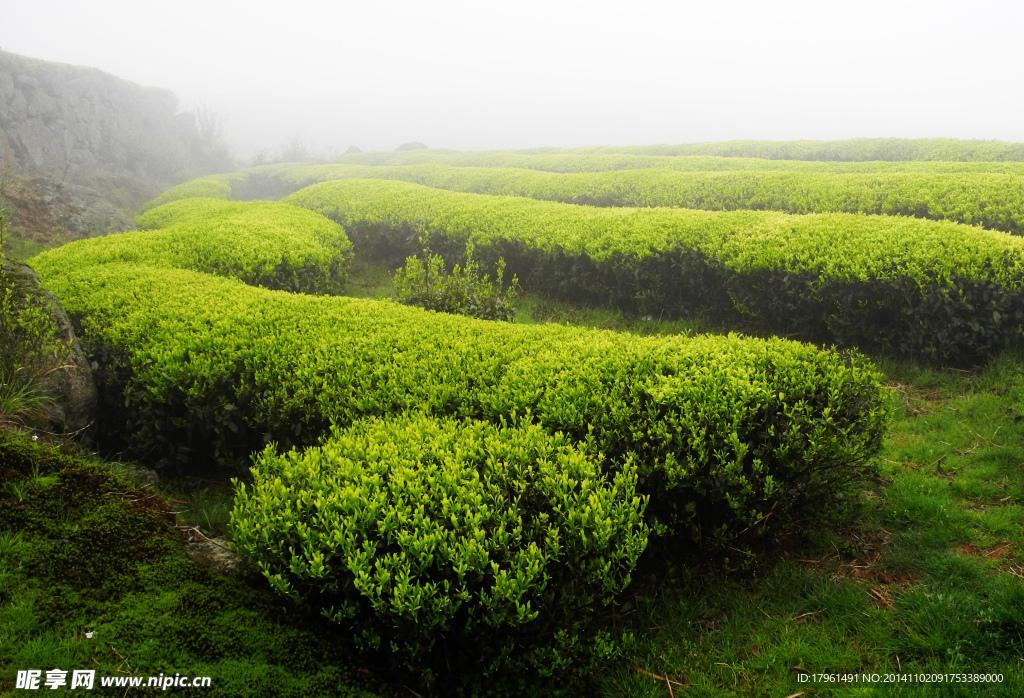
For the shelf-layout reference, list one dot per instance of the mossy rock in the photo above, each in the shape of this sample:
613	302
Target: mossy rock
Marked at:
69	381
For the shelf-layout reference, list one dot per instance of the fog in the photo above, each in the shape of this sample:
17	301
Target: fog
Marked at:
474	76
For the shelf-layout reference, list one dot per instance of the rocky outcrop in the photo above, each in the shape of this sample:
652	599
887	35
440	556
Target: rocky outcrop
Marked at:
81	211
69	382
95	145
65	122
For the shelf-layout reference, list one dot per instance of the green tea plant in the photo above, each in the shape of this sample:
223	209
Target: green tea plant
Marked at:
74	560
456	545
214	186
260	243
855	155
987	199
723	429
945	293
425	283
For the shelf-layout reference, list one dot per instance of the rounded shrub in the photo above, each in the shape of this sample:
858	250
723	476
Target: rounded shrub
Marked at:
452	544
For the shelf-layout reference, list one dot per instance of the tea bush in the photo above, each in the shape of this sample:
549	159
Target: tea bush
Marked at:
706	156
260	243
425	283
937	291
722	429
991	200
456	544
216	186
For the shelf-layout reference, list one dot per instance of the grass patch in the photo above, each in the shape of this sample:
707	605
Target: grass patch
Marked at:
928	579
93	575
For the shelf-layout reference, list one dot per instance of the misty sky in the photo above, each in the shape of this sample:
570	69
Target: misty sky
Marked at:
487	75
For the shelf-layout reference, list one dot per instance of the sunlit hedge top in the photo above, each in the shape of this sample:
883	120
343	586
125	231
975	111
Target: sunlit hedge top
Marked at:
600	160
833	245
261	243
994	201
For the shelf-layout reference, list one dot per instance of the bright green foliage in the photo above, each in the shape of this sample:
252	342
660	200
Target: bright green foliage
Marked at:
260	243
212	186
856	155
425	283
863	149
601	160
934	290
722	428
275	181
473	545
994	201
184	209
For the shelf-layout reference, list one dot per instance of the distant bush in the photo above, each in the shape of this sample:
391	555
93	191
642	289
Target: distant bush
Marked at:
425	283
453	544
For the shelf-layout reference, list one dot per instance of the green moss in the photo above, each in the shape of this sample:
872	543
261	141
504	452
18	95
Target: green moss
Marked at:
85	551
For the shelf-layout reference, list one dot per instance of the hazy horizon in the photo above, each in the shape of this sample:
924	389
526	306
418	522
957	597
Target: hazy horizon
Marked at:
473	77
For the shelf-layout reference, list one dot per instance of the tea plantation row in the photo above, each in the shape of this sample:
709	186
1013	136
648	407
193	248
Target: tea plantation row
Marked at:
993	201
600	159
936	291
465	479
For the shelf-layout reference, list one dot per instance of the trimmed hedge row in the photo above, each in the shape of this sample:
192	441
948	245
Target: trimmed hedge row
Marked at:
260	243
936	291
470	481
994	201
601	159
482	547
892	149
721	429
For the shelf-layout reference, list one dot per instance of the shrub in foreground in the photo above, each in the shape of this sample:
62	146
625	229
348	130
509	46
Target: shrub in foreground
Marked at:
452	544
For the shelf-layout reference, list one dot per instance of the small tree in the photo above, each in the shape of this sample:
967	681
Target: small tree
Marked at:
424	282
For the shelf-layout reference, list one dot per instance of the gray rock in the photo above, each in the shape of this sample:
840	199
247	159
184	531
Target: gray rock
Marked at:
213	554
70	382
103	144
82	211
136	474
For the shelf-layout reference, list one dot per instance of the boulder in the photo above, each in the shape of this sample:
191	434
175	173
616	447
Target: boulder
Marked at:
70	382
214	555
